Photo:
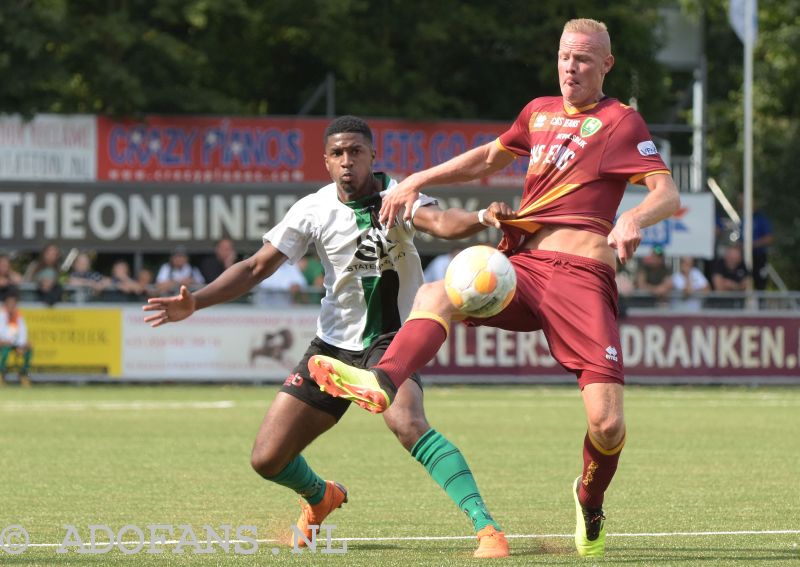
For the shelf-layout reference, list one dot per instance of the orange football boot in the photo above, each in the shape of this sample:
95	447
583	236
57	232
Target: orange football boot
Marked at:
492	543
315	514
341	380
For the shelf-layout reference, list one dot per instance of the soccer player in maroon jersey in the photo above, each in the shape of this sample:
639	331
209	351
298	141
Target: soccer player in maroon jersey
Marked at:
584	148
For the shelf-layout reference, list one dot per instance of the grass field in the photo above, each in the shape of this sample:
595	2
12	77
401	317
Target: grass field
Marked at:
698	460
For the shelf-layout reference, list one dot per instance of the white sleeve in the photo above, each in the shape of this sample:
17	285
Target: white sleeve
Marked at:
292	235
163	273
698	279
22	332
4	331
422	201
197	276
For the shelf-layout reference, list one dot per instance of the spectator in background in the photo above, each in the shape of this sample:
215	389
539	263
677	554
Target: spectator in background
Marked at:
314	273
690	282
224	257
282	287
625	287
9	278
84	277
654	274
145	279
125	288
45	273
177	272
14	338
730	274
437	267
762	240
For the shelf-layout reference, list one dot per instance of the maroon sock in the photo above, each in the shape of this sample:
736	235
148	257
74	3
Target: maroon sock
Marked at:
415	344
599	467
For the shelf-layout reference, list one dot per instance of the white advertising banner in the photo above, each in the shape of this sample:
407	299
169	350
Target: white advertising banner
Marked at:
243	343
689	232
221	343
48	147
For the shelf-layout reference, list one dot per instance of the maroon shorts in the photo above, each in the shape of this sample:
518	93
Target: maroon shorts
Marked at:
573	300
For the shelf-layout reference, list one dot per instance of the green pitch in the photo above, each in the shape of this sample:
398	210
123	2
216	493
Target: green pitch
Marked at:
697	460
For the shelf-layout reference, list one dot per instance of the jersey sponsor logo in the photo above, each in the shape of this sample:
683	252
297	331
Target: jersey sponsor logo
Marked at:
374	252
647	148
571	137
373	245
556	155
590	126
612	354
540	119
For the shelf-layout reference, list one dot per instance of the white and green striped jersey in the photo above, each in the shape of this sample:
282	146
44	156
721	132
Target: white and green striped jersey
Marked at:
371	274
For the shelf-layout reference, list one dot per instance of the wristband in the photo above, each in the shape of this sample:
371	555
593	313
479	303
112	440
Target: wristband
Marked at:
482	217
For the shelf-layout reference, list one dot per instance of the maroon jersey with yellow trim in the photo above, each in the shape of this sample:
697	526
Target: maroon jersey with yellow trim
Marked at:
580	163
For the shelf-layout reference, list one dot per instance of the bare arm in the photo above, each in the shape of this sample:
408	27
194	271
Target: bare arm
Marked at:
661	202
474	164
455	223
235	281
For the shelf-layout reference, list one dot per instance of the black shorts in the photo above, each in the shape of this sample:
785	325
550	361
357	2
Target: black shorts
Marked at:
302	386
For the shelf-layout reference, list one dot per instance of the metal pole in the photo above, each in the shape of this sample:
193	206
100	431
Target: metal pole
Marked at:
749	17
697	136
330	95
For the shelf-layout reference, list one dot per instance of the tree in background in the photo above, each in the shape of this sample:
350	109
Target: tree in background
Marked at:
446	59
452	59
776	115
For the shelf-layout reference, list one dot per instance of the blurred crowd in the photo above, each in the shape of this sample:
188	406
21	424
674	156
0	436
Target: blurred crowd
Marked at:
684	283
653	280
54	275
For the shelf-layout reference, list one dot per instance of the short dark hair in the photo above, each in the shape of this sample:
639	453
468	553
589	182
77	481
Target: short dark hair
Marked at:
11	291
348	125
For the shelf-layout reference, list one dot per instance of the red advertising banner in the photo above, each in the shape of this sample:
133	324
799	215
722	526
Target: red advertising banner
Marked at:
283	150
694	347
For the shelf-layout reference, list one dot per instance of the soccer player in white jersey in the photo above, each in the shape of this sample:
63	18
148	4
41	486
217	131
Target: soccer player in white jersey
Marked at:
371	276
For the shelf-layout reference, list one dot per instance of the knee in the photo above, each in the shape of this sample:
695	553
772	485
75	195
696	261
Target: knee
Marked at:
432	297
267	463
408	429
608	430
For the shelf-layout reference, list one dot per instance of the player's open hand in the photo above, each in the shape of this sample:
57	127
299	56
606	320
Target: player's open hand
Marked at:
497	212
170	309
625	237
400	199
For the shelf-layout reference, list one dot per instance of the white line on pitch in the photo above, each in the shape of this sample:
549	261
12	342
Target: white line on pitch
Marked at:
115	406
471	537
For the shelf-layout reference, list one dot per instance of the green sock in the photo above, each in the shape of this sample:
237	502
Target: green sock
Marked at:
4	352
447	466
298	476
26	362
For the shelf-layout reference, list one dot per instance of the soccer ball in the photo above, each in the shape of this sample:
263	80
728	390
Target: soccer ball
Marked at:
480	281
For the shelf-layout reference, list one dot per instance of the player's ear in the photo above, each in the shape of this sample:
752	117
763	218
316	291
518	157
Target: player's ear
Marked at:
608	63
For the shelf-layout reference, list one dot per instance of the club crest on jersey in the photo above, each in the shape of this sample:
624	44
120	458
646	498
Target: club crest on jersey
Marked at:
590	126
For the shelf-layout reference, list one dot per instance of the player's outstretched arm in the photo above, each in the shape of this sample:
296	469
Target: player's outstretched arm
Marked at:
661	202
474	164
232	283
456	223
170	309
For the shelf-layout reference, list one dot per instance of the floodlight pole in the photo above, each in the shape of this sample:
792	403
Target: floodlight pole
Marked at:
749	22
